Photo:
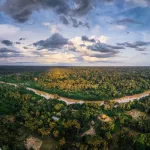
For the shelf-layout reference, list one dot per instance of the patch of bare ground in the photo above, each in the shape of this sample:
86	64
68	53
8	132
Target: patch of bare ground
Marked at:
135	114
91	132
33	142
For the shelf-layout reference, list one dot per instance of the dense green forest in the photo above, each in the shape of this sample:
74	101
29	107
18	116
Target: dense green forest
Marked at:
85	83
77	126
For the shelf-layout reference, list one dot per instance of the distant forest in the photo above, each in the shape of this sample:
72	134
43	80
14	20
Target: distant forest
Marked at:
82	83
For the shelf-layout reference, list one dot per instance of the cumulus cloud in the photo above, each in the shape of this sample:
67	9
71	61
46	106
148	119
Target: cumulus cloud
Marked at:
94	49
7	42
53	42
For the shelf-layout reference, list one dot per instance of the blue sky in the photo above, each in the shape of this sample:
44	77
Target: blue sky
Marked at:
75	32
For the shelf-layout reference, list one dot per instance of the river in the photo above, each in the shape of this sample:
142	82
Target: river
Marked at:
72	101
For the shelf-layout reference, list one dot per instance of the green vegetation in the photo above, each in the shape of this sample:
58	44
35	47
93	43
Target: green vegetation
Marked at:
87	83
109	127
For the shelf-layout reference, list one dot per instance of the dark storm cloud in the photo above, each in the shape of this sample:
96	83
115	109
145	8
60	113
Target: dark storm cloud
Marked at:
5	53
136	44
64	20
20	10
7	42
127	21
53	42
85	38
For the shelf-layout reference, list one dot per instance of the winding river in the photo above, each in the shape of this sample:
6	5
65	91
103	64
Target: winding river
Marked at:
72	101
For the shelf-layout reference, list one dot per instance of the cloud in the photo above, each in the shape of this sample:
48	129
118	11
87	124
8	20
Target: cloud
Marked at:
53	42
17	43
7	43
96	59
86	47
82	45
118	27
90	59
20	10
85	38
136	44
5	53
127	21
105	48
22	39
58	58
82	7
64	20
76	23
140	49
144	53
141	3
25	47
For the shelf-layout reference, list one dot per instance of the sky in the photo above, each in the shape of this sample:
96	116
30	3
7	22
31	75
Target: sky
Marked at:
75	32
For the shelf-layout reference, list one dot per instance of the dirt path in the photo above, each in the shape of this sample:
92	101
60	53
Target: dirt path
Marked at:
72	101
